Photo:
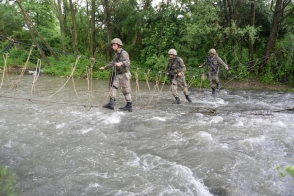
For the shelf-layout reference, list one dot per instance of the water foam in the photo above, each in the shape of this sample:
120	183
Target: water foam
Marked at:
172	178
113	118
158	118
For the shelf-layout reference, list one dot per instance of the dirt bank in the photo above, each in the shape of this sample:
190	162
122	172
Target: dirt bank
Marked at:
255	85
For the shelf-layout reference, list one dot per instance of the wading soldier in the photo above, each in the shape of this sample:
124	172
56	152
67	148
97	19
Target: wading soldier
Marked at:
176	72
120	75
213	61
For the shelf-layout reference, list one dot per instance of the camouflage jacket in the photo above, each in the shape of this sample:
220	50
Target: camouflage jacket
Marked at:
175	66
123	57
213	63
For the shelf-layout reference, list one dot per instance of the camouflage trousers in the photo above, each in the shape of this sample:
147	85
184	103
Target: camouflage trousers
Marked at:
122	80
182	83
213	79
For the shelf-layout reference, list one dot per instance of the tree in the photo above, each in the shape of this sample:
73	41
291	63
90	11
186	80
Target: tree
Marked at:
74	33
280	13
34	31
251	38
10	21
58	9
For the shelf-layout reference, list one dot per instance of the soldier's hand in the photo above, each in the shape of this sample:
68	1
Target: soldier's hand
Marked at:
200	66
180	74
101	68
227	68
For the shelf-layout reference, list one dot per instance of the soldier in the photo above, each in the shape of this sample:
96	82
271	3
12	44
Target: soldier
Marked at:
120	75
212	62
176	71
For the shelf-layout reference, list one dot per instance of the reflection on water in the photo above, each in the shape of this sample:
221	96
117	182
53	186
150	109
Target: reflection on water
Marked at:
224	145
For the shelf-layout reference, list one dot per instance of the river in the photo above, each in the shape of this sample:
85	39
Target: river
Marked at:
228	144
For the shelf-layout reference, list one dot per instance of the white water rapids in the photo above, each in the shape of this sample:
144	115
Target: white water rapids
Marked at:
229	144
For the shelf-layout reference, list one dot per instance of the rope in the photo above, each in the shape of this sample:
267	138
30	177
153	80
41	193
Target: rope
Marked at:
237	75
137	84
164	79
156	86
71	75
90	80
15	85
5	56
45	101
36	75
89	72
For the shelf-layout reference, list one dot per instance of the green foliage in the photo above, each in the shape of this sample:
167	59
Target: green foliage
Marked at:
156	63
10	21
287	169
18	56
284	63
191	27
7	182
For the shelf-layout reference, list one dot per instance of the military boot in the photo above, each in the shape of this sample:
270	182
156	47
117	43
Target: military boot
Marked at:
213	91
128	107
188	98
177	101
110	105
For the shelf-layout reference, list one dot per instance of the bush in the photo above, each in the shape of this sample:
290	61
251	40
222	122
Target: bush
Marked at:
7	182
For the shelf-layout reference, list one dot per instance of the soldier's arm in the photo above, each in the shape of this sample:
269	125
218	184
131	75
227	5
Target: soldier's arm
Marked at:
182	67
203	64
220	61
109	65
124	59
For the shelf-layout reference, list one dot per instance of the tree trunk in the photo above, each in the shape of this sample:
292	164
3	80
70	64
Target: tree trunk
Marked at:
230	6
147	4
92	27
61	25
31	29
251	38
278	17
75	33
108	27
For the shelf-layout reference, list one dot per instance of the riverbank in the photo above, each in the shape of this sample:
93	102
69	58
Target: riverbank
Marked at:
255	85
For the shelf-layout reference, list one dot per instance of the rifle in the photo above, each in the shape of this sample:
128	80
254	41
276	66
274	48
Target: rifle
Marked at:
171	76
114	71
211	65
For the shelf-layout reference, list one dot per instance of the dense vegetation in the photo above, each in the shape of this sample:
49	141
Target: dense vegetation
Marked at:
255	38
7	182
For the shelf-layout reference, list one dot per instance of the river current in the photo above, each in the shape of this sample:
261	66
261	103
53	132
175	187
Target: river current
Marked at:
228	144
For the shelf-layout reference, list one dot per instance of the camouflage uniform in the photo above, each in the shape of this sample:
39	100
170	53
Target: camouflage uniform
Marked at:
213	68
120	75
174	67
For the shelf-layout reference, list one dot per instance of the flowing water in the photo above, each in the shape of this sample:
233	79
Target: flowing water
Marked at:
229	144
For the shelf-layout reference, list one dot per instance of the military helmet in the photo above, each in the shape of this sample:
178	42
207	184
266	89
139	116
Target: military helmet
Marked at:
212	51
172	51
116	41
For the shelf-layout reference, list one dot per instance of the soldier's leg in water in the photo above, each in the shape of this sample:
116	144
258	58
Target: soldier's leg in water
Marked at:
184	87
217	81
214	83
175	92
126	89
112	95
